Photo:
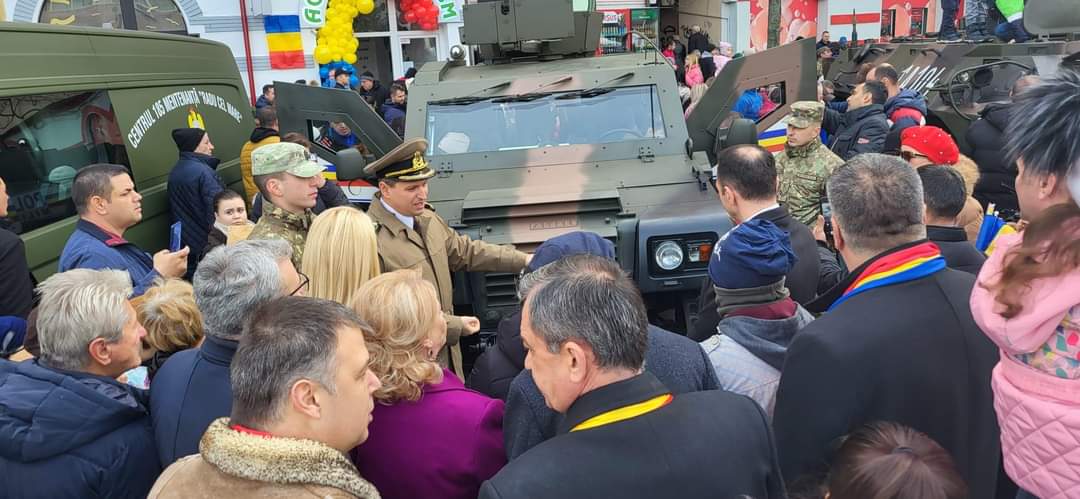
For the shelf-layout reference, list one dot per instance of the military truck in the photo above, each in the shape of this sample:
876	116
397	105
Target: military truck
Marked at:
72	96
542	138
960	79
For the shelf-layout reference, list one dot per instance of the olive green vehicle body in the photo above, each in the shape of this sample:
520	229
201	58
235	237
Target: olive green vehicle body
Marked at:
959	79
141	87
528	148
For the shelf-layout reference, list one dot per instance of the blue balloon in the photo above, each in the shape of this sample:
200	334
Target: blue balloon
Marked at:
354	81
337	64
324	72
349	67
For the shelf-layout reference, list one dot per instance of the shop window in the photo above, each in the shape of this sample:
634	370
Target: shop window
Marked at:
44	141
162	16
888	23
918	21
376	22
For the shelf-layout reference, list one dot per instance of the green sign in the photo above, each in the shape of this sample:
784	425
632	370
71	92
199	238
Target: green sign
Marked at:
312	13
450	11
643	15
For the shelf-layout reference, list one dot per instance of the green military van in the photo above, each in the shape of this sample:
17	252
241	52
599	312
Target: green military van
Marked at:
71	97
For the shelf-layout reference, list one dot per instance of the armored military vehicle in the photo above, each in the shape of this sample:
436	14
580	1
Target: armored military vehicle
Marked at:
71	97
542	138
960	79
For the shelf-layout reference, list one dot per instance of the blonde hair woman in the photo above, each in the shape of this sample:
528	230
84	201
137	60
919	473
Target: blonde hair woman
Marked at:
340	254
425	420
172	321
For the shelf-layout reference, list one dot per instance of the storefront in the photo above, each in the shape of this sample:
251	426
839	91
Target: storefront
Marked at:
388	46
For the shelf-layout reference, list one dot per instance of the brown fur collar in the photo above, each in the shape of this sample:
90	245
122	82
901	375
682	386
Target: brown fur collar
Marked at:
288	461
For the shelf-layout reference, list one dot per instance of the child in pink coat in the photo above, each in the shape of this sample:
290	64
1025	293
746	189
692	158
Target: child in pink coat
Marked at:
1027	300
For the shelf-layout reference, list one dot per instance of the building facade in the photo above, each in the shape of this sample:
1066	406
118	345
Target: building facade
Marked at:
388	46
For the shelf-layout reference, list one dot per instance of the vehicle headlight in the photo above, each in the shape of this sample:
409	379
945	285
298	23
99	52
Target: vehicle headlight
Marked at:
669	255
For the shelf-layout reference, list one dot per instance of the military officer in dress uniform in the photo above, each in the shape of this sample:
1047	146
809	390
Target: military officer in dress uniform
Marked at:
412	236
805	163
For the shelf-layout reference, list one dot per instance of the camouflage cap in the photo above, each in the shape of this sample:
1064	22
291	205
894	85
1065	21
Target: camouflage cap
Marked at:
405	162
806	113
284	157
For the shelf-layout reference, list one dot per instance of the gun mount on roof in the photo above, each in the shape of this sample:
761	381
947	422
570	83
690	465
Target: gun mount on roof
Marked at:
506	30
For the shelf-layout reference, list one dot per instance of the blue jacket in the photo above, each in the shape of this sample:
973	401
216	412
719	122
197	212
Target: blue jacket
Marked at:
678	362
90	247
188	393
65	434
392	111
192	187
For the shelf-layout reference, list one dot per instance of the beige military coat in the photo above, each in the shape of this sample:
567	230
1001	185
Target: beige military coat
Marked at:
437	251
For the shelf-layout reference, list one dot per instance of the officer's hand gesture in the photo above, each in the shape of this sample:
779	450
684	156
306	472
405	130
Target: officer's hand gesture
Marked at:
472	325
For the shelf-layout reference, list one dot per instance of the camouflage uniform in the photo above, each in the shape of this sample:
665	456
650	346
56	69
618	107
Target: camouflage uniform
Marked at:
276	222
292	228
803	170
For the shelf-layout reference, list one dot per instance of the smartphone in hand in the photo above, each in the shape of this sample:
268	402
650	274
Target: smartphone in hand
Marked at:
174	238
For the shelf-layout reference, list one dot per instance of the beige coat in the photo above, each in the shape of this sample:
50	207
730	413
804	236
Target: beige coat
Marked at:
971	216
236	465
437	250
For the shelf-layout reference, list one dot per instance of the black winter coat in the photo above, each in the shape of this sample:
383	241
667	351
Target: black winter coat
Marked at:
855	132
959	253
193	184
376	96
17	292
680	364
985	139
498	365
802	281
908	352
712	444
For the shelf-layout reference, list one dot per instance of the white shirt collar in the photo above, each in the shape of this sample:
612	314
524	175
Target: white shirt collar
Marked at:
755	215
409	222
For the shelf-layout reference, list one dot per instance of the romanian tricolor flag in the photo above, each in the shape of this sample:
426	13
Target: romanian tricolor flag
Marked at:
283	39
992	227
774	139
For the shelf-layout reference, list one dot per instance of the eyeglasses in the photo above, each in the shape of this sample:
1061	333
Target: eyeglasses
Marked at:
908	155
304	280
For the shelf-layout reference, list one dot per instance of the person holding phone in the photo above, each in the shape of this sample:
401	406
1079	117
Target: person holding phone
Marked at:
108	205
193	184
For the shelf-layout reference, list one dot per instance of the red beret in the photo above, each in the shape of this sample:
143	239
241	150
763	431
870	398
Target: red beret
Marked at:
934	143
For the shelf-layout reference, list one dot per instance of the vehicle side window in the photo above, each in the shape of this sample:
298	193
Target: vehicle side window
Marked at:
44	140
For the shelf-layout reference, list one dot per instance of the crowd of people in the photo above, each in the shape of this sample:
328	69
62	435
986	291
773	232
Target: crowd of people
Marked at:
852	341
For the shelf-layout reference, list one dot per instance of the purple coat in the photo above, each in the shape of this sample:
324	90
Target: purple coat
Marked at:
444	445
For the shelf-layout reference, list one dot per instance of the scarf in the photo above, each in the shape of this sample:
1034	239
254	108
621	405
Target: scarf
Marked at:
905	265
728	300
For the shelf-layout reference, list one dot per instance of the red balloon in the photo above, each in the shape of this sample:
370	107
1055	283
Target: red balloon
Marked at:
410	16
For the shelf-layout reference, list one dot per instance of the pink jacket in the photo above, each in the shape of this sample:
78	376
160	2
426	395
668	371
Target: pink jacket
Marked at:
1039	413
694	76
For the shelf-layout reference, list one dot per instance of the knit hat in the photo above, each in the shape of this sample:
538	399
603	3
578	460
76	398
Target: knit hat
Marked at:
753	254
571	243
934	143
187	139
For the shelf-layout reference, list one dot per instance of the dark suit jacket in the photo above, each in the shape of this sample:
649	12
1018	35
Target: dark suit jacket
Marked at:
680	364
856	131
908	352
712	444
802	281
959	253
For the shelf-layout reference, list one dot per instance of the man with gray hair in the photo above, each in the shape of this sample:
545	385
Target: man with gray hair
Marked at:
897	343
192	388
585	328
68	427
301	399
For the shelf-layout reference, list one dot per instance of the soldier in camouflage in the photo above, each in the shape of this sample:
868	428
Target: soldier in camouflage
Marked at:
289	183
805	163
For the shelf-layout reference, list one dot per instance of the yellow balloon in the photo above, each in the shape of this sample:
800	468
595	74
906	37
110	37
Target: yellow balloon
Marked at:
365	7
350	58
322	55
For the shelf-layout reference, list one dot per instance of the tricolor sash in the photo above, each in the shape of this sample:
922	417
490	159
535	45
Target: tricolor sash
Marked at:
905	265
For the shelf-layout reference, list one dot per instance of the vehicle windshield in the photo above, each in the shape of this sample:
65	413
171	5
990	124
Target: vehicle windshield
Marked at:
504	123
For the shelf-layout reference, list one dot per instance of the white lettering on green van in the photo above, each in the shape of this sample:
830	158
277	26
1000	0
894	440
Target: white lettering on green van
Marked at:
183	99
